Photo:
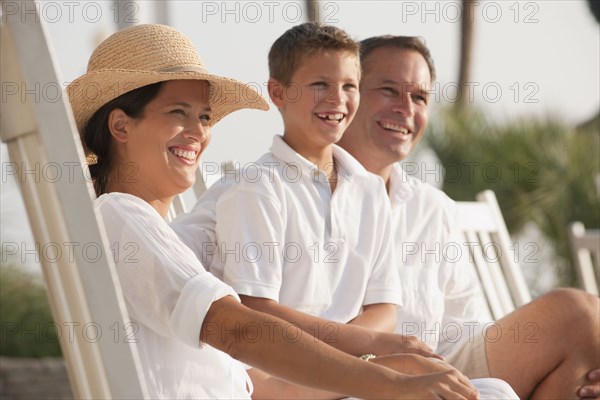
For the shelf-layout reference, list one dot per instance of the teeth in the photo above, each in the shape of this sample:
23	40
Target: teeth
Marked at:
189	155
394	127
332	117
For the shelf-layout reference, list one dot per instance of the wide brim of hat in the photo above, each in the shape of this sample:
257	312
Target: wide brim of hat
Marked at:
91	91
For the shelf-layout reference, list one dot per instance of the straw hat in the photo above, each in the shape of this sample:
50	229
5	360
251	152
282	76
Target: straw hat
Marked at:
146	54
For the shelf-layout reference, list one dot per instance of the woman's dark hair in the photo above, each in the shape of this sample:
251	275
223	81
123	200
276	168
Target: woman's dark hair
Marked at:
97	137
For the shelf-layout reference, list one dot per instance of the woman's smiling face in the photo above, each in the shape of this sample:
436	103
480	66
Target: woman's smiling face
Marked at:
161	149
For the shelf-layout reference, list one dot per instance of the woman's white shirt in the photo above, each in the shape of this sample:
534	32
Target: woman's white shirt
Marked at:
168	293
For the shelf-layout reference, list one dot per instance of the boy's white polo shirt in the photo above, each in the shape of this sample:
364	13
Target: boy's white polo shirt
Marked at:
278	232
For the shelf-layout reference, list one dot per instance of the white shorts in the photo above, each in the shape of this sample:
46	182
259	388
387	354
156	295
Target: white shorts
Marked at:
470	358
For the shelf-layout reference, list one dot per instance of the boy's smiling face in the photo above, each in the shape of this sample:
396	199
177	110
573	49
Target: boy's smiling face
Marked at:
320	102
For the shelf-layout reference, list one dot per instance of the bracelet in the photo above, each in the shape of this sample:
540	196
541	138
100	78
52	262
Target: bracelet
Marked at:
367	357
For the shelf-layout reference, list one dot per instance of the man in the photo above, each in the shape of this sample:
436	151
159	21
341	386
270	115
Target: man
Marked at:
398	73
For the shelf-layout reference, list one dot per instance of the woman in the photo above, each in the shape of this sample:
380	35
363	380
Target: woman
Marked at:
144	110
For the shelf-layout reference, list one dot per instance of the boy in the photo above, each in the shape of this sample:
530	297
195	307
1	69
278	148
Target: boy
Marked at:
304	233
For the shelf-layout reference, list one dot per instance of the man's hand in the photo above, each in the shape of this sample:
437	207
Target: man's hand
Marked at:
592	390
393	343
432	378
381	318
412	364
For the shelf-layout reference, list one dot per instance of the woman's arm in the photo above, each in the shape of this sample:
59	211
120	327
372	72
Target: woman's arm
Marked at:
267	387
278	348
351	338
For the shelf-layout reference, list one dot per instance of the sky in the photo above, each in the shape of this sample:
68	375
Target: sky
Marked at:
530	58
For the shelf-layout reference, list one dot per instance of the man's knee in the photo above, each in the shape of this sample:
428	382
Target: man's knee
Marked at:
576	302
574	310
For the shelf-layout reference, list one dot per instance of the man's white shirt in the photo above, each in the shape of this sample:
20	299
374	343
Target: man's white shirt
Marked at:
442	299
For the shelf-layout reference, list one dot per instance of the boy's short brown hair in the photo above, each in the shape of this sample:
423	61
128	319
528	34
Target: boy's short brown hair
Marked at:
415	43
296	44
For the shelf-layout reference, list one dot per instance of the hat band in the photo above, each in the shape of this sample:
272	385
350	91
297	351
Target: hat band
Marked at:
185	68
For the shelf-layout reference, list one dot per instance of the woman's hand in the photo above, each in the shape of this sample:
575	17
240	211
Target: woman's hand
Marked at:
450	384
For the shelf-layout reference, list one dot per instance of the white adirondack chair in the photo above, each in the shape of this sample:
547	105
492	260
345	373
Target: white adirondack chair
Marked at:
82	286
180	205
484	230
585	246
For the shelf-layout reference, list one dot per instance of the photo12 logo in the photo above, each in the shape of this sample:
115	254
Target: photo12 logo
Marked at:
69	252
51	332
53	12
487	11
268	11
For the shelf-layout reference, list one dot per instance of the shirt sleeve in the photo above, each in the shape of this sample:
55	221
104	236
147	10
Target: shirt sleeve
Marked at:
164	285
383	285
250	231
197	228
464	304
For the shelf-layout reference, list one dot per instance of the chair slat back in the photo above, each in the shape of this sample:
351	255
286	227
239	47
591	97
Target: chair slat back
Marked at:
489	246
79	272
585	246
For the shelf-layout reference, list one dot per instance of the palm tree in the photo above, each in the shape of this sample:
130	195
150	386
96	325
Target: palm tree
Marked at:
162	12
592	124
595	8
466	49
312	7
125	13
528	157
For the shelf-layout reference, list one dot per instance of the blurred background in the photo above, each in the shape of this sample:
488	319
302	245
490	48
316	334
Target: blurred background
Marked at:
515	109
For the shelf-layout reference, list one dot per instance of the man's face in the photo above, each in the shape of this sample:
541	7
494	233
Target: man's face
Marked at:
394	106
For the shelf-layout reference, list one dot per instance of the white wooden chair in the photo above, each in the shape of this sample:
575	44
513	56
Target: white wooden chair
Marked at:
585	246
185	201
179	205
489	245
82	285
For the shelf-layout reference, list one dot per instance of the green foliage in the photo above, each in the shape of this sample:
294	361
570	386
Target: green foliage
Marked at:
541	171
26	325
